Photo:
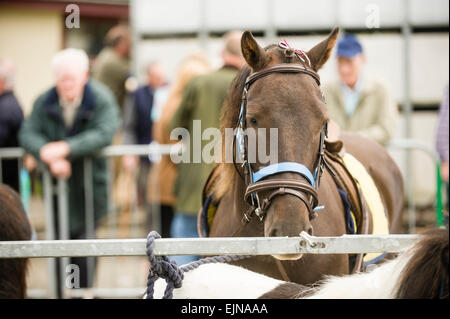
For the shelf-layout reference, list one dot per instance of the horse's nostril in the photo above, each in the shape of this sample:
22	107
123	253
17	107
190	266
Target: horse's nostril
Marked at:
310	230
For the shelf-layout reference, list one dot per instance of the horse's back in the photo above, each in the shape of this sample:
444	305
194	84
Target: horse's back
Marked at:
384	171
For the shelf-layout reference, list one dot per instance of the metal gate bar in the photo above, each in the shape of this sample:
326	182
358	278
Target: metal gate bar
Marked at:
304	244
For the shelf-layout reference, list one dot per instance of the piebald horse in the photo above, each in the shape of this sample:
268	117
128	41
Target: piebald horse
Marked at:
419	272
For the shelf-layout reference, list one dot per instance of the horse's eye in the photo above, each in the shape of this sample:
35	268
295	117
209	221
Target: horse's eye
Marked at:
253	121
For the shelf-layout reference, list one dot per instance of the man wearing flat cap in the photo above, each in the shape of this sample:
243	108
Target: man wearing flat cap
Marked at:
357	102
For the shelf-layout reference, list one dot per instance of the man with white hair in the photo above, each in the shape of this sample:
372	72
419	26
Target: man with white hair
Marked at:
11	117
69	122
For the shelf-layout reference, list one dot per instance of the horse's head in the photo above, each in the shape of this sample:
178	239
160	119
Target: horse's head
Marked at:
291	102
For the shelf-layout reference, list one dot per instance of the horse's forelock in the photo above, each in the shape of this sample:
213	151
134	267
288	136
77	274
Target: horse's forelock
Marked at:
426	274
231	106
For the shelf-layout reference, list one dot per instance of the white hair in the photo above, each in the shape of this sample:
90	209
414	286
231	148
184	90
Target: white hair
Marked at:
7	73
70	58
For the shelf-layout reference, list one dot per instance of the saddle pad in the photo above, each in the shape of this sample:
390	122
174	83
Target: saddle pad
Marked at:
206	215
373	199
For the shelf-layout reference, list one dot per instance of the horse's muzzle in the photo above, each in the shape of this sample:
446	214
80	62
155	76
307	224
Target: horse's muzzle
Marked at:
288	256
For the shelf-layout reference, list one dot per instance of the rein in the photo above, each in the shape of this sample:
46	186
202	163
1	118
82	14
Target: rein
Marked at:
306	192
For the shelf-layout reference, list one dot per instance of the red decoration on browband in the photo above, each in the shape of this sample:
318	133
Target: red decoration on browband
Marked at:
301	55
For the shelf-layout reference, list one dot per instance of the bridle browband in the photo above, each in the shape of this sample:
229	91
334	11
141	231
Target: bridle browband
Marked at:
306	192
281	68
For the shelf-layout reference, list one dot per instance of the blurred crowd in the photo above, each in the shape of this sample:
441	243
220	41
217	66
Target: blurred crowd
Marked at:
93	106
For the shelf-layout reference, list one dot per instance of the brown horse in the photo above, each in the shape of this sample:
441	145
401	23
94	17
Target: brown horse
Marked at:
14	225
292	102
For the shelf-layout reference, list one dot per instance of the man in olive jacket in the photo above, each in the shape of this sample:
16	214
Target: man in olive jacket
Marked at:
112	65
202	101
72	120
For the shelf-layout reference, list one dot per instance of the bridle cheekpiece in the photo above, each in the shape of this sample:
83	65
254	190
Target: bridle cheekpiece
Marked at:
255	181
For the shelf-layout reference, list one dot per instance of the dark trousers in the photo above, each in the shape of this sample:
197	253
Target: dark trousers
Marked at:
10	173
166	220
166	216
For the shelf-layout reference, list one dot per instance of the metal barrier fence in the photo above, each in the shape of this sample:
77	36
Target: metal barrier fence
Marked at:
60	188
50	188
304	244
411	145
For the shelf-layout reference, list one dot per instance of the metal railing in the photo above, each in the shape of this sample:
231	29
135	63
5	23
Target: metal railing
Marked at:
99	247
414	145
304	244
58	187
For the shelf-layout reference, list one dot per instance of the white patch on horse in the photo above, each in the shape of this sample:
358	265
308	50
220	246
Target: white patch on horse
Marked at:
380	283
224	281
220	281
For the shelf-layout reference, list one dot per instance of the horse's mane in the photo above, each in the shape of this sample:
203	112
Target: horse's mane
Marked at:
14	225
426	274
421	272
229	117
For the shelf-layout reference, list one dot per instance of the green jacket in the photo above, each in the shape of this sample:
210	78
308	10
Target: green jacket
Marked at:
112	70
202	100
94	127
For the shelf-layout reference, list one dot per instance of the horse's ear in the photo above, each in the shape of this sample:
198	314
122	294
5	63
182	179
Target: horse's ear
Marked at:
254	55
322	51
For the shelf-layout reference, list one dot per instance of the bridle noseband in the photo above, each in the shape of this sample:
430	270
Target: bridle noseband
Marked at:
306	192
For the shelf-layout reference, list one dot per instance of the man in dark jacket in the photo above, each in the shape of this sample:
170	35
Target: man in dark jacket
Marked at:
11	117
139	116
70	121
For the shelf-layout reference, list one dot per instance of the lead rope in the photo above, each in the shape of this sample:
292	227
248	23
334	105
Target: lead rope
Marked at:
167	269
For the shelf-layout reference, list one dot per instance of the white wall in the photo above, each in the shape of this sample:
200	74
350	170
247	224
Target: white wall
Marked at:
429	52
156	16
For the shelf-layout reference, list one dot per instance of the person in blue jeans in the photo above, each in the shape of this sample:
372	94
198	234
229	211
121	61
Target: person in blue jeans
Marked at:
184	226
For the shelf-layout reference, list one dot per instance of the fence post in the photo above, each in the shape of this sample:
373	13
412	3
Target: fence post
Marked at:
89	212
408	145
407	111
63	228
111	207
439	204
49	228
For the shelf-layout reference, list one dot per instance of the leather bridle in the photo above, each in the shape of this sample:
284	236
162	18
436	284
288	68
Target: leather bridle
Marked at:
306	192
